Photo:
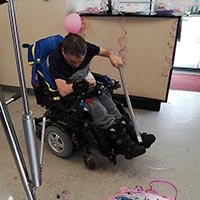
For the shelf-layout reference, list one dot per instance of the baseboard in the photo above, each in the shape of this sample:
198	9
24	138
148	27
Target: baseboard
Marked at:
15	89
140	102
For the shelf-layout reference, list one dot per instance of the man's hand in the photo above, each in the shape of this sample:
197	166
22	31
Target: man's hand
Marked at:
115	59
80	87
91	82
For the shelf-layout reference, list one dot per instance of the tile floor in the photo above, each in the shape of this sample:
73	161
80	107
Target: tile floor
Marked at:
175	157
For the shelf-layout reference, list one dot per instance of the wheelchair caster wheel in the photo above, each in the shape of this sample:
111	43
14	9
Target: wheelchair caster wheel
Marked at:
91	161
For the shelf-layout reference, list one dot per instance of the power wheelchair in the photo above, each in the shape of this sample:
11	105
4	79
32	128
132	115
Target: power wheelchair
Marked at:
68	124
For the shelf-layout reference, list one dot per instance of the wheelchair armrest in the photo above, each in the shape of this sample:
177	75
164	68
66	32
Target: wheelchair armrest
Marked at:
80	87
110	84
98	77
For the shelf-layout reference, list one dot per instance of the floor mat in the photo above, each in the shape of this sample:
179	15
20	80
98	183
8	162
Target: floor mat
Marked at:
188	82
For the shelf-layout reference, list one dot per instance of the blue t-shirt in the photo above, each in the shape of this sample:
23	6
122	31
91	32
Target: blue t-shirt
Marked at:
60	69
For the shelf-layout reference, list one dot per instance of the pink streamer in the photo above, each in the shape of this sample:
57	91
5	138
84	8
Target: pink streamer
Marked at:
120	40
170	46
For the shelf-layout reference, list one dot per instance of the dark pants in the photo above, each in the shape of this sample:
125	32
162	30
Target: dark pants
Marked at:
103	111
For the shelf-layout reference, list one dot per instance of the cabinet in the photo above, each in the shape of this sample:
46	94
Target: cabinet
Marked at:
148	51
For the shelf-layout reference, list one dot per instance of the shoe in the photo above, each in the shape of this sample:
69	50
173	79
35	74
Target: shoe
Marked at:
147	140
134	151
124	144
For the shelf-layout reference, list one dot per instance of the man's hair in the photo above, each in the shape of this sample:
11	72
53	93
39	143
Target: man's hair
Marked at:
74	45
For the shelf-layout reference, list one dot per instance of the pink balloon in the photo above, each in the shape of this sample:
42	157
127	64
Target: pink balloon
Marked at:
72	23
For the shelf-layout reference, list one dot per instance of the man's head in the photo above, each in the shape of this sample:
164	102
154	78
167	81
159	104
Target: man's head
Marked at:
74	49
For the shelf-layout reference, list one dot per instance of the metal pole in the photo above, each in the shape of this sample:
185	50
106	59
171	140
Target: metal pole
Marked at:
42	142
131	113
27	116
15	147
18	57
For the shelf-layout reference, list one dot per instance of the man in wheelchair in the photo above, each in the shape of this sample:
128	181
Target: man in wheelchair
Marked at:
69	69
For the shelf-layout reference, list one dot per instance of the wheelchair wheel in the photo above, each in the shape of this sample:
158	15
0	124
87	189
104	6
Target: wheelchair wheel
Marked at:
58	141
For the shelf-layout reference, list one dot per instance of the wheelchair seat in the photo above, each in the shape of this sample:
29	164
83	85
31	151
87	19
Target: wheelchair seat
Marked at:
69	125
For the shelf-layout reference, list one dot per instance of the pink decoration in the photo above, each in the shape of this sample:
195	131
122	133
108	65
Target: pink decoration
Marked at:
72	23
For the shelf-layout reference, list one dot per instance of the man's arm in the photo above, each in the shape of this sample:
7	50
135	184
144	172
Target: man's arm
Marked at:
114	58
63	87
